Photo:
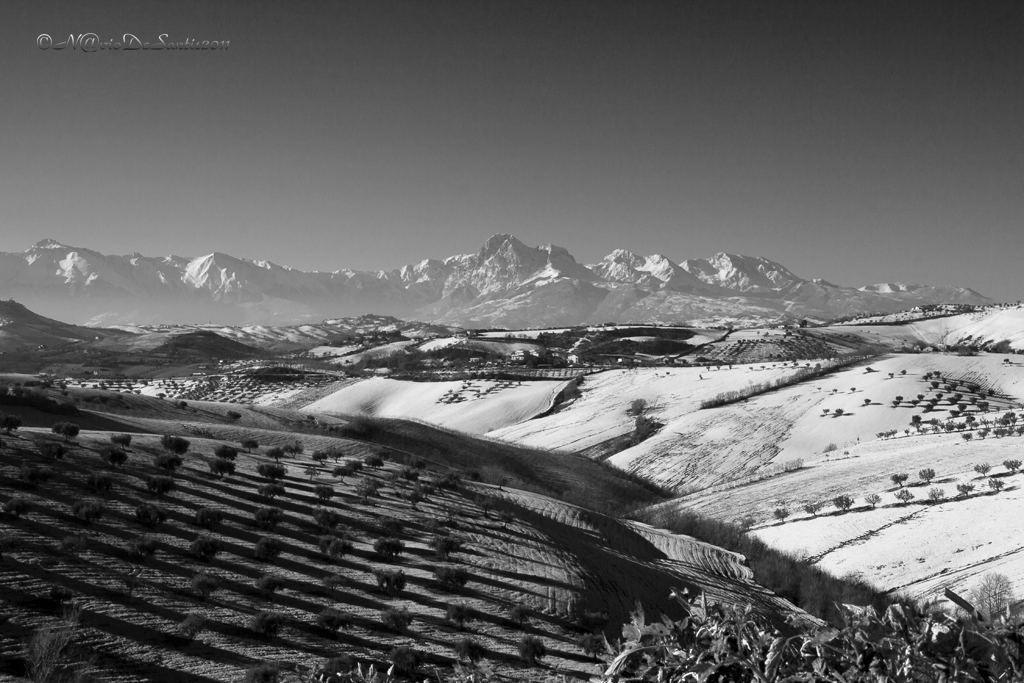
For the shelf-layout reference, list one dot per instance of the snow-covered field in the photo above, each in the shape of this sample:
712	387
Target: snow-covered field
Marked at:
993	325
476	407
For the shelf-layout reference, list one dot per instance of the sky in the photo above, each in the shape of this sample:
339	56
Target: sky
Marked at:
859	142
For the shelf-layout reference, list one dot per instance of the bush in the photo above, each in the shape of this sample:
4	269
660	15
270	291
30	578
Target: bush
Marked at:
323	492
333	546
205	584
205	547
159	486
100	483
267	518
192	625
270	491
591	644
326	519
261	673
31	476
342	664
468	650
267	549
390	581
520	615
225	452
87	511
404	660
451	578
142	547
150	515
207	518
271	471
267	624
458	613
114	456
395	619
222	468
175	444
531	649
16	506
122	440
388	548
269	583
53	451
444	546
334	619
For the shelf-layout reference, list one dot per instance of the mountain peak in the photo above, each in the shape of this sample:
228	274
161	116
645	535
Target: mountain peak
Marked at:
48	243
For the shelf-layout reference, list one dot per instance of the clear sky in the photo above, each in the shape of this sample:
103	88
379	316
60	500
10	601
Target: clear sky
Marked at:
858	141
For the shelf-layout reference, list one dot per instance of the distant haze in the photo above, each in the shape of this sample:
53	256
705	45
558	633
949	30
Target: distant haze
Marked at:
857	142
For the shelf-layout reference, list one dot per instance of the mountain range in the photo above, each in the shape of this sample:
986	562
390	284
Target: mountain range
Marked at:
505	284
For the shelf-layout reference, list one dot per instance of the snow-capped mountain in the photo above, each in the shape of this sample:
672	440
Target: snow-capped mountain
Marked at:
506	283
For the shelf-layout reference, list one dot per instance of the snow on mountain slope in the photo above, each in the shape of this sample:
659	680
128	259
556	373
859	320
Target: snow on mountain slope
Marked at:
505	283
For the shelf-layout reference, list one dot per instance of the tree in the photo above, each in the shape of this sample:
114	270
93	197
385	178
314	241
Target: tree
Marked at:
222	468
168	462
11	423
276	453
996	485
150	515
69	430
267	549
205	584
983	469
993	594
781	514
267	624
249	444
813	508
532	649
225	452
904	496
205	547
323	492
873	499
122	440
926	475
388	548
267	518
458	613
966	436
114	455
964	489
1012	465
175	444
192	625
159	486
899	478
334	619
319	457
271	471
390	581
936	495
842	503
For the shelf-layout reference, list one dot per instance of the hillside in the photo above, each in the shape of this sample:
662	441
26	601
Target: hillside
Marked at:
520	546
22	329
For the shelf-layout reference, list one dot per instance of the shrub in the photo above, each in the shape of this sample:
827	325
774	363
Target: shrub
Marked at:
168	462
395	619
390	581
53	451
271	471
100	483
444	546
16	506
458	613
205	547
270	491
225	452
159	486
326	519
205	584
261	673
113	456
122	440
31	476
222	468
142	547
267	549
404	660
334	619
150	515
87	511
520	614
175	444
531	649
323	492
451	578
267	624
267	518
192	625
388	548
269	584
468	650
